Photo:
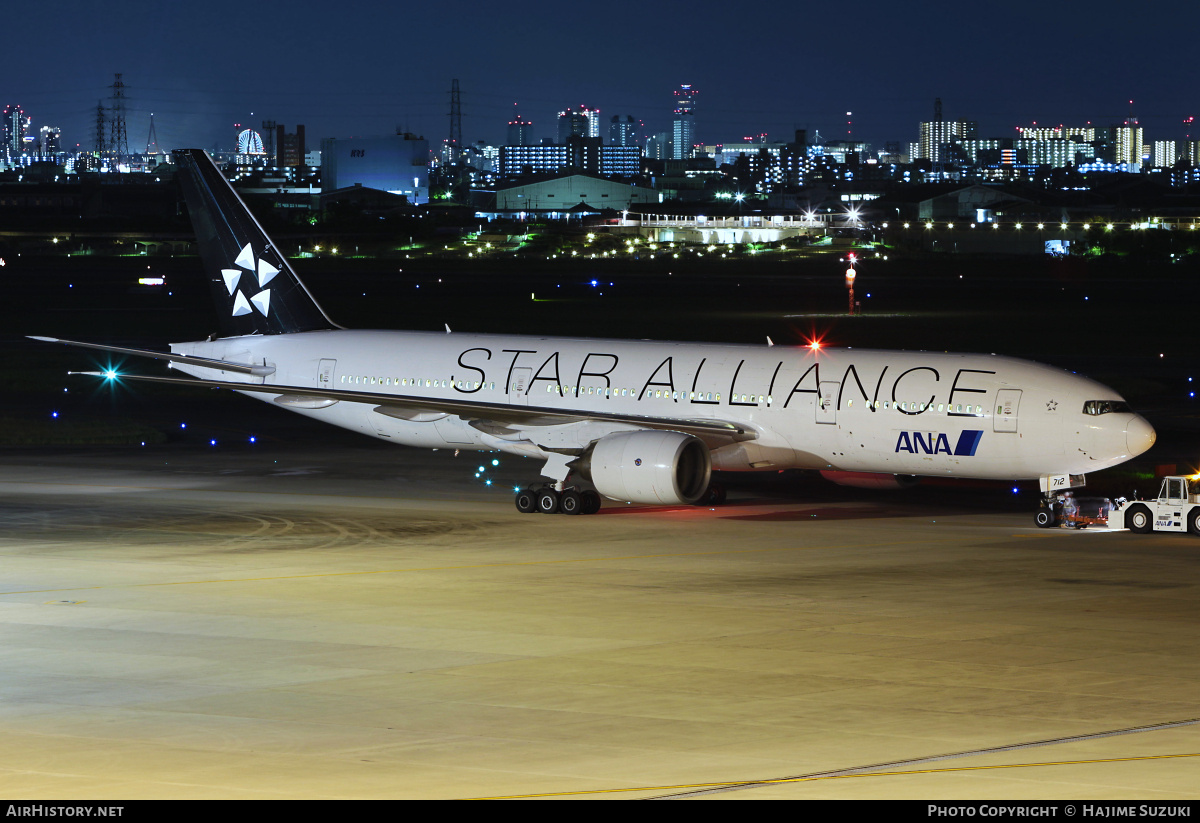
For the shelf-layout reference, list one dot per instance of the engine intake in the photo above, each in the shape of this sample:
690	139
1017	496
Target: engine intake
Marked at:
657	467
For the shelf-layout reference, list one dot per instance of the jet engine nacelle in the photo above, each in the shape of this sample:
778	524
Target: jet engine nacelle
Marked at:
870	480
662	467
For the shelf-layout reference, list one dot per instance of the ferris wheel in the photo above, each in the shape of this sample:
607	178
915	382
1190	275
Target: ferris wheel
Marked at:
250	142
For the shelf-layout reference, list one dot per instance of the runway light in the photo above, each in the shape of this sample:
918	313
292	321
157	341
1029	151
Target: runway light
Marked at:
183	425
212	442
253	439
54	414
495	462
110	374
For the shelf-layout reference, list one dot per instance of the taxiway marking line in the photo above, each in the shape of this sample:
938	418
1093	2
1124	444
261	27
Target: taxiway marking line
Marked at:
785	780
470	566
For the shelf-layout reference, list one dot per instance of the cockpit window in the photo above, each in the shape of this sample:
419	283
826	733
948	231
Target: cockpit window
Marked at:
1106	407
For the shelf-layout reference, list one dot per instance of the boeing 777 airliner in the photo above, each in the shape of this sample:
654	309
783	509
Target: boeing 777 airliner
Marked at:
637	421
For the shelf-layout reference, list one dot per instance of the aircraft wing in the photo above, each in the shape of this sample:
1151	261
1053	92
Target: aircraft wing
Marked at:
502	413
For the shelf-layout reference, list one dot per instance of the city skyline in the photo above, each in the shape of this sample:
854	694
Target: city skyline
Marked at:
363	72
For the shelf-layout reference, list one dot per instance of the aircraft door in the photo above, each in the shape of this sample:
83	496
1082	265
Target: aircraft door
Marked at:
1007	401
518	385
325	374
827	402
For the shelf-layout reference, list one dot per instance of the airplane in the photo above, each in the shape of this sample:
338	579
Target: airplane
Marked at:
636	421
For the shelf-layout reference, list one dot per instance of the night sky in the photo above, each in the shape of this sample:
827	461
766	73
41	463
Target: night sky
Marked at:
349	68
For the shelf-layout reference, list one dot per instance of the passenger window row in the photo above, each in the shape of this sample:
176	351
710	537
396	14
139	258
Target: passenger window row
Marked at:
1094	407
658	394
414	382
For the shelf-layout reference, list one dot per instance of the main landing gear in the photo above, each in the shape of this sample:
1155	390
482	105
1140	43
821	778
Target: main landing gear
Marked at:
547	500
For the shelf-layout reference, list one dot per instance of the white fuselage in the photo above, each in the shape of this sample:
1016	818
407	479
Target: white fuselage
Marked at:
897	412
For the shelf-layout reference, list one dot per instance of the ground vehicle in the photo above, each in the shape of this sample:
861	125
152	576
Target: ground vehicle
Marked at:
1067	511
1176	509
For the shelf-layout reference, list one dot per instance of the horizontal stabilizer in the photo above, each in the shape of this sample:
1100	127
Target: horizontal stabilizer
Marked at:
205	362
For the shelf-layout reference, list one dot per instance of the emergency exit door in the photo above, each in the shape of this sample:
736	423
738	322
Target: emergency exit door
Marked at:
1005	418
827	402
325	374
518	386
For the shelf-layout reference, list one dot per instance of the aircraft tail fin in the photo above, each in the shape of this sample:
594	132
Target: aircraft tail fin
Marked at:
255	289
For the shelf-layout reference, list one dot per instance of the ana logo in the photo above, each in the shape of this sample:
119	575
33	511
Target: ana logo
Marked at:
637	462
936	443
264	272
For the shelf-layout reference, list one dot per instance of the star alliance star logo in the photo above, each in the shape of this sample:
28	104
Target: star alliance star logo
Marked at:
264	272
1052	406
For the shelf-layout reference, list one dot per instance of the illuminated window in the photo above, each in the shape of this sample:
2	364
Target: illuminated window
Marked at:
1096	407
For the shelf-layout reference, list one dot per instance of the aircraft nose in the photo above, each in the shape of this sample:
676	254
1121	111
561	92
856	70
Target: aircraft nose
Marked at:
1139	435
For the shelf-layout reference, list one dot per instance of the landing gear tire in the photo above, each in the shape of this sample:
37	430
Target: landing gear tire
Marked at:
1138	519
570	502
547	501
1045	518
714	495
591	501
526	501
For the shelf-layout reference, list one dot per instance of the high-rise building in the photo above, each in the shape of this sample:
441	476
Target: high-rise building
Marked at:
581	122
622	132
593	116
520	132
1166	152
1190	153
16	125
50	138
289	148
1129	145
939	133
658	146
683	124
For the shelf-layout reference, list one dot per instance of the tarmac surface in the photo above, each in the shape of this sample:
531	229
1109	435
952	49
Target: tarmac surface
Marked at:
352	622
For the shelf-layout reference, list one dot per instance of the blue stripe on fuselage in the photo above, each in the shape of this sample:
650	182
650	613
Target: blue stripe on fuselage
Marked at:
968	442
